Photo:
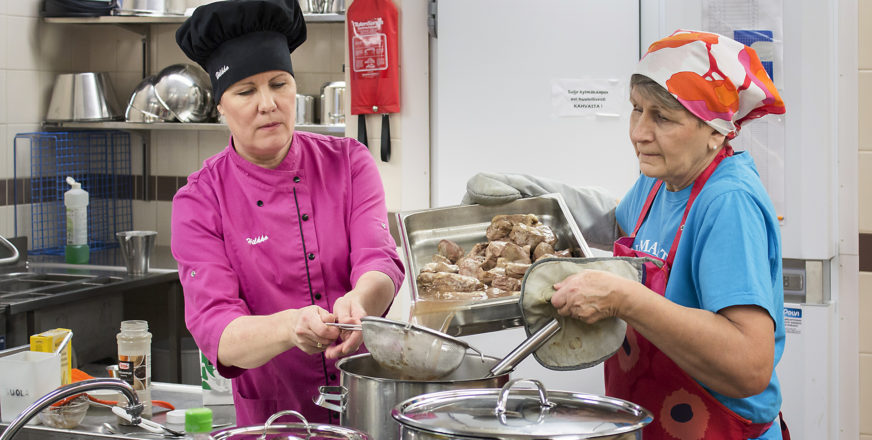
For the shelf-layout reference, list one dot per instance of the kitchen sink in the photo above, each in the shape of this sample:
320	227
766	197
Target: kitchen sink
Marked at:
27	285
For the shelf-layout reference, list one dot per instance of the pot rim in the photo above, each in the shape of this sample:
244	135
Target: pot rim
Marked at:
347	359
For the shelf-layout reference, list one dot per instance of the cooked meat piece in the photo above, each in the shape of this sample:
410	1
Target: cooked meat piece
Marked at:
564	253
525	235
527	219
541	249
469	265
496	292
440	259
432	283
506	283
501	225
494	250
439	267
477	250
516	270
467	296
544	256
487	276
450	250
499	229
509	251
516	254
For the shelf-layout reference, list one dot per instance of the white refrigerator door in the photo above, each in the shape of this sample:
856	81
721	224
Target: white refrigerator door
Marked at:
494	64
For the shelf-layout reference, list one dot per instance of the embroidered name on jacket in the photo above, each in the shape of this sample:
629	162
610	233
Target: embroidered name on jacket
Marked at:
258	240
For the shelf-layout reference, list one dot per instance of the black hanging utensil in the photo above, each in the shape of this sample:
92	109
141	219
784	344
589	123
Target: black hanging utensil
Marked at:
361	129
386	138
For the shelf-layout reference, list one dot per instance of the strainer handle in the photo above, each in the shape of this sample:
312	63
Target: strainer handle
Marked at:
521	352
275	416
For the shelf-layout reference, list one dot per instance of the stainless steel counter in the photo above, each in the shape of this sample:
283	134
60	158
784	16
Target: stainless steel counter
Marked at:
180	396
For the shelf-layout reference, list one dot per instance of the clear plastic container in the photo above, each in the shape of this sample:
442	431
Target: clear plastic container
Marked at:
25	377
134	360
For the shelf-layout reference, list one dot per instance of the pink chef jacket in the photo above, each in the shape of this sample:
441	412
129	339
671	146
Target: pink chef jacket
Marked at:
253	241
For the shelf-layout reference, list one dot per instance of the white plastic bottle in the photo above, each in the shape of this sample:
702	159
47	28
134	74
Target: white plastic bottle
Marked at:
134	360
76	203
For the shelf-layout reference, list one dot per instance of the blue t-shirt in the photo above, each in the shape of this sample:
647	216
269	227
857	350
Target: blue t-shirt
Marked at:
729	254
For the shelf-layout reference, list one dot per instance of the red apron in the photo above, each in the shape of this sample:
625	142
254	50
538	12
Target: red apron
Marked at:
640	373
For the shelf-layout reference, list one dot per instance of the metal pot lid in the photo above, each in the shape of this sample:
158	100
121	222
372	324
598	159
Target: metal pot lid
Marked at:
520	414
290	431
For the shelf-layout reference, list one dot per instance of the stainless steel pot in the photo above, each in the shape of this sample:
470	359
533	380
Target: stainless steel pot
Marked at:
368	392
333	103
512	414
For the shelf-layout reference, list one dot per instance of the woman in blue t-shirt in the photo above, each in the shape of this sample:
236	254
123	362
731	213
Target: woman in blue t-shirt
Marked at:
705	330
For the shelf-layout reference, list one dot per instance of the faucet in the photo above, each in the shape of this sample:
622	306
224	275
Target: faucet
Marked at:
15	255
134	408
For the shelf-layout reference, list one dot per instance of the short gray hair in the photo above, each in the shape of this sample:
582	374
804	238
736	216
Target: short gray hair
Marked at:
657	93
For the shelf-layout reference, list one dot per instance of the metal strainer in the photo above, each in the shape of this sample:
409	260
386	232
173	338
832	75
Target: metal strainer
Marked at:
412	351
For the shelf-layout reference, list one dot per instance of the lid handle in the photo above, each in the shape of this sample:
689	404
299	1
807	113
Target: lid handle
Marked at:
504	396
275	416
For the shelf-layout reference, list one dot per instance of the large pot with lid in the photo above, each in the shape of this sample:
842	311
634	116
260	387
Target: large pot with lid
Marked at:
301	429
518	414
368	391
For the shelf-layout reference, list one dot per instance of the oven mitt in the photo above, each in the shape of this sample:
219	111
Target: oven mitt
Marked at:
592	208
576	345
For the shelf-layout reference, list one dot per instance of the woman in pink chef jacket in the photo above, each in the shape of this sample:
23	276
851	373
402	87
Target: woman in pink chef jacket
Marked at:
280	232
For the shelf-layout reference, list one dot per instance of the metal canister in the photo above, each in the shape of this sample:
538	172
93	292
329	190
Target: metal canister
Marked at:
333	103
305	110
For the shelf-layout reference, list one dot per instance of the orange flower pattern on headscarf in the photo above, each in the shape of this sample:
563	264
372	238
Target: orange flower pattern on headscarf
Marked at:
718	79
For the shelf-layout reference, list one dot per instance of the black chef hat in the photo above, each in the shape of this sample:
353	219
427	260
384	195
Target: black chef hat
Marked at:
235	39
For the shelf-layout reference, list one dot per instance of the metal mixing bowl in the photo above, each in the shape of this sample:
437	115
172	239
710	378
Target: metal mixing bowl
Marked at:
144	105
185	90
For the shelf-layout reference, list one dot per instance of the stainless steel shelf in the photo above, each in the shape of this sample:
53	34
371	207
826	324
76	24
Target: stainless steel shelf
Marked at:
168	19
332	130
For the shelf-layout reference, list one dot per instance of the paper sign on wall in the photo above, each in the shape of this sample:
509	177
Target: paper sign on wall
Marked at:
587	97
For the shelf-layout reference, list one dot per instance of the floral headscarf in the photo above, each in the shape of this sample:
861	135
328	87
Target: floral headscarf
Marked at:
718	79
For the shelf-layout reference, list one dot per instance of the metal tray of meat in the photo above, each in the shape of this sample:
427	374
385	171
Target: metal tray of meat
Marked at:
466	225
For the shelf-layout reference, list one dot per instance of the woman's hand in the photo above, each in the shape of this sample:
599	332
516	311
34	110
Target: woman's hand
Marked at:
309	332
371	295
348	310
589	296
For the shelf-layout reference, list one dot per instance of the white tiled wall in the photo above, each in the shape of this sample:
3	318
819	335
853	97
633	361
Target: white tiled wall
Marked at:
33	53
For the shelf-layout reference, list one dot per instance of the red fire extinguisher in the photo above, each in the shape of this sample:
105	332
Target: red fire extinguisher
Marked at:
373	56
